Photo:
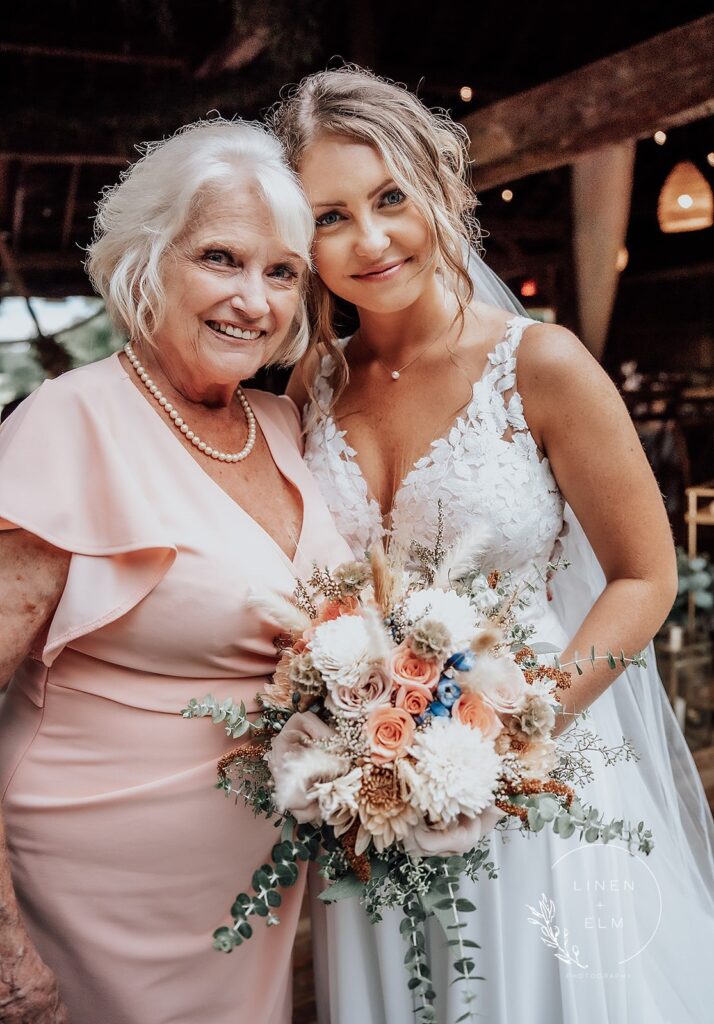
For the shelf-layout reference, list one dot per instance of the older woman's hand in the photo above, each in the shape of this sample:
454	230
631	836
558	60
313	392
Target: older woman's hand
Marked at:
28	989
33	577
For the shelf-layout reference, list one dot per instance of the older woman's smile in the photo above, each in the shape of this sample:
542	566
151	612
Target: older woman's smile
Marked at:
234	331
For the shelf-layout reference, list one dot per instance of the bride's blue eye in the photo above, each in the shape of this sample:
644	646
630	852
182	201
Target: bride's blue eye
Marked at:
326	220
394	197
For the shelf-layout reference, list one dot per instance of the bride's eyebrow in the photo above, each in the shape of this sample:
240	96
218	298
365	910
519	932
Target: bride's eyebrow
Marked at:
341	202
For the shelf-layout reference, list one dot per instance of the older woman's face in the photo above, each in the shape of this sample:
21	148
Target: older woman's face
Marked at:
232	291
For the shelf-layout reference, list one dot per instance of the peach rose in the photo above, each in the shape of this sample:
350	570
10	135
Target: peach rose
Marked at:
390	732
475	712
409	669
334	609
414	698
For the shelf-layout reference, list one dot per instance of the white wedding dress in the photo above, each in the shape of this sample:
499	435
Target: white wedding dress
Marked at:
569	933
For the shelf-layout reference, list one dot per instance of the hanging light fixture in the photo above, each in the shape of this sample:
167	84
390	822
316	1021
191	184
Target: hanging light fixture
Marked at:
685	202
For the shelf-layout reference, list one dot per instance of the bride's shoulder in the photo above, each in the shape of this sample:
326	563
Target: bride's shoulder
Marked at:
552	356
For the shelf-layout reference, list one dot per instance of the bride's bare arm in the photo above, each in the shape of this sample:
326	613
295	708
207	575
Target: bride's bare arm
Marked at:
32	577
580	422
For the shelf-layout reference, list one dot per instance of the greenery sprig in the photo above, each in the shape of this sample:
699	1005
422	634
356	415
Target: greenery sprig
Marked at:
233	716
296	844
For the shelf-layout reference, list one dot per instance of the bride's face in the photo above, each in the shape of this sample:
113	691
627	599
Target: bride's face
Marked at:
372	245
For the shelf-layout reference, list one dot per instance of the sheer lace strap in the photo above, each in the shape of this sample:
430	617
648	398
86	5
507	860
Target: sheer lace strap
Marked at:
322	384
502	374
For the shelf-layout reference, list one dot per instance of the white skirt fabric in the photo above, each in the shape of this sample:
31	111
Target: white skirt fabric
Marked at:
570	933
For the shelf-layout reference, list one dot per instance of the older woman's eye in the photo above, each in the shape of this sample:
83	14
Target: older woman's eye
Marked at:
217	256
326	220
394	197
284	272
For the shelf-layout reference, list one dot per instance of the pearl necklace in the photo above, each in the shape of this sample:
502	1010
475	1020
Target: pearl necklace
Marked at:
179	423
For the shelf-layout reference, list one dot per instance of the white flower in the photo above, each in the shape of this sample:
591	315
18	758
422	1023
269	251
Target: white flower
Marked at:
452	610
454	772
538	760
499	681
337	800
483	596
351	701
341	650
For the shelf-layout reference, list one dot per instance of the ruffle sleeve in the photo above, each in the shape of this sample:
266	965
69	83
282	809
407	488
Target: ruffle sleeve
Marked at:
66	476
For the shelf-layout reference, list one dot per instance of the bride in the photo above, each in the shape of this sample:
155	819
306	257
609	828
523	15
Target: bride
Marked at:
448	393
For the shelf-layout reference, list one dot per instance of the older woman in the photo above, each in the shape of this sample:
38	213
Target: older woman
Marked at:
142	498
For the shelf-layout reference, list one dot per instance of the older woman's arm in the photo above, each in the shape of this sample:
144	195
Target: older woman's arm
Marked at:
32	577
578	419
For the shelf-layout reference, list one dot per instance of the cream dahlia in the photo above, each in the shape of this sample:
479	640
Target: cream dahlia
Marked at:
451	770
341	650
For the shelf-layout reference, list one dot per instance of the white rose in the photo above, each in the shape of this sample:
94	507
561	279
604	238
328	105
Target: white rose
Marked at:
369	692
500	682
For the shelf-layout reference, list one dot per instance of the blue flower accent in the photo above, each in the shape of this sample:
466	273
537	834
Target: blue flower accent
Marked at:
462	661
438	709
448	691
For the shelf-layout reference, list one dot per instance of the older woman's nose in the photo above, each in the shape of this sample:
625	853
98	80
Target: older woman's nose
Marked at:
251	298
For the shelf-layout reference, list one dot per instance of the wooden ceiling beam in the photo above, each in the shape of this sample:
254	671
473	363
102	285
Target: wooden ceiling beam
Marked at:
236	52
70	205
96	56
661	83
63	158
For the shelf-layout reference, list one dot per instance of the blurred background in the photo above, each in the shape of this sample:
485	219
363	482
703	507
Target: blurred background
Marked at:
593	159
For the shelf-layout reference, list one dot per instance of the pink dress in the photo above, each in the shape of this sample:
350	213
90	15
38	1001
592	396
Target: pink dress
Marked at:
124	856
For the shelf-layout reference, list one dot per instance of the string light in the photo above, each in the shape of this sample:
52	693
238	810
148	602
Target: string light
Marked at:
685	201
506	195
529	288
710	159
466	93
660	138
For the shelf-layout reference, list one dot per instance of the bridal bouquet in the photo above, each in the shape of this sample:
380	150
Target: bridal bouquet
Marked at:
407	717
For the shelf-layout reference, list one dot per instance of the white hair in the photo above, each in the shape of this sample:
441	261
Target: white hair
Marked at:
139	218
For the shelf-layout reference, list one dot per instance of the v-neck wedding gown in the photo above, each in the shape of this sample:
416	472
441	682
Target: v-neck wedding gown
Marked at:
640	926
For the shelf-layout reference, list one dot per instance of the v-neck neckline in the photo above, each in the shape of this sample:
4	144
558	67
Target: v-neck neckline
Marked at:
266	428
350	452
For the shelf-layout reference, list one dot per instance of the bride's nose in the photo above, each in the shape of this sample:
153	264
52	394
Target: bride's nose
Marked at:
372	240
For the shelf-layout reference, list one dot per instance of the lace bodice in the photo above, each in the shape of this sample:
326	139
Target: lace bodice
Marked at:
487	467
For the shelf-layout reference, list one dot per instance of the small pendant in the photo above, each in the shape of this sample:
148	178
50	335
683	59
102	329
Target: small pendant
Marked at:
395	374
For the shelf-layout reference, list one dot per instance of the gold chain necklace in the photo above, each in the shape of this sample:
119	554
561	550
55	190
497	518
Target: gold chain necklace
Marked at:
396	374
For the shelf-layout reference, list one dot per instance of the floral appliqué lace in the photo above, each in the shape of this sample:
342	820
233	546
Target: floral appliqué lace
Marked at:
487	468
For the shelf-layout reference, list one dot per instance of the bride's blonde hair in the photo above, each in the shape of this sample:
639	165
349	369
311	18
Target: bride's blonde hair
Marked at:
425	152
